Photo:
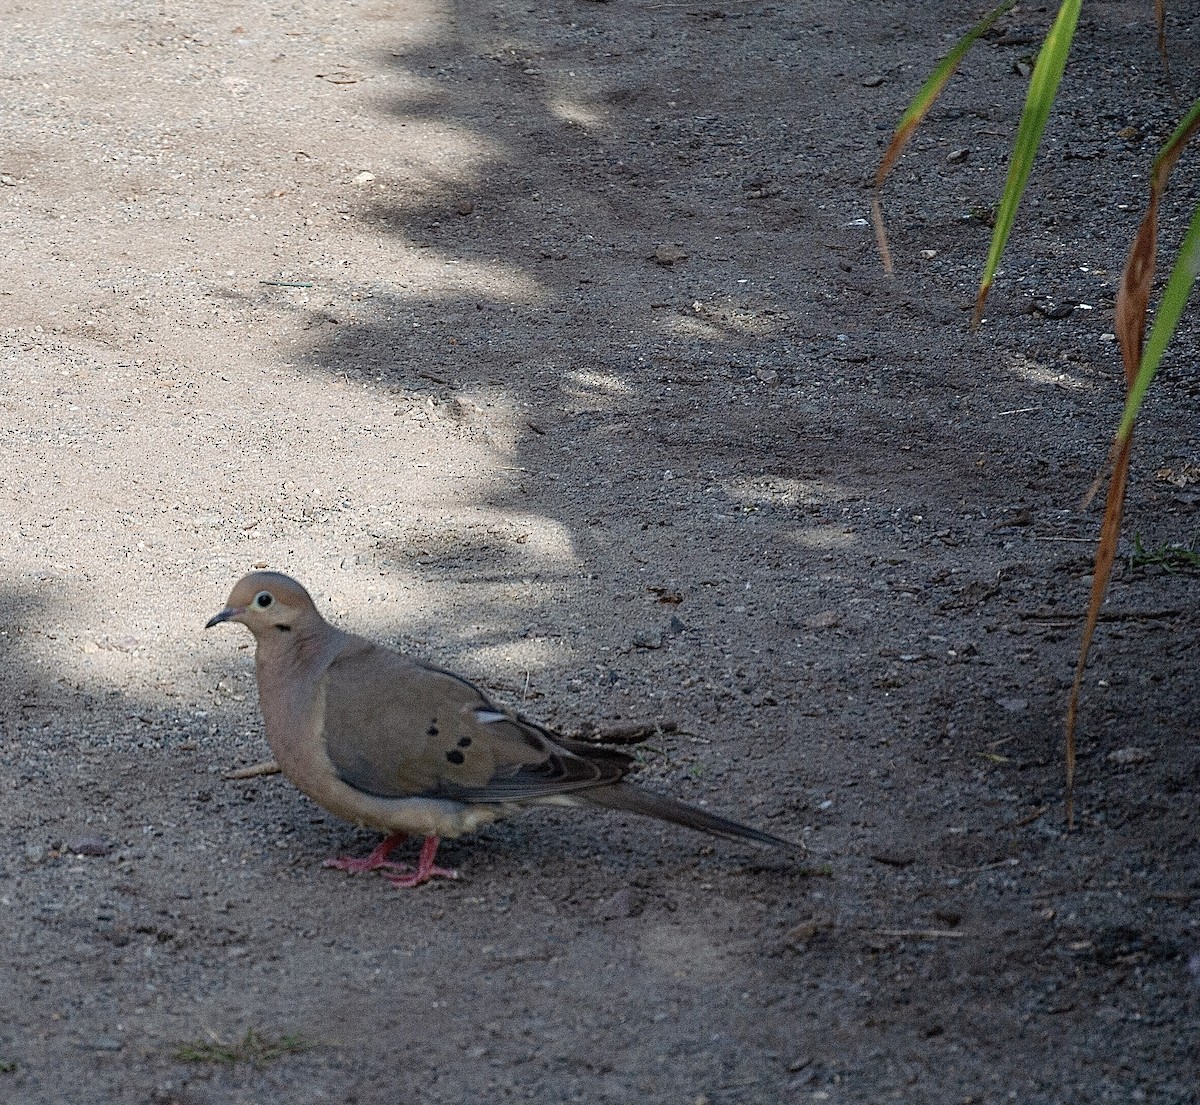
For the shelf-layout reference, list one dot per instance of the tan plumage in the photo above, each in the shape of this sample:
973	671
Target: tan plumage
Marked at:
398	745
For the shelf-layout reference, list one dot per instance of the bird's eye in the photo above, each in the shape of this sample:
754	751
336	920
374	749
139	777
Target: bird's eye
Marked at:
263	599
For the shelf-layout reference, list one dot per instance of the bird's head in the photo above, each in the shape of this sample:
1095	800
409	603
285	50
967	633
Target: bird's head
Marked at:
268	604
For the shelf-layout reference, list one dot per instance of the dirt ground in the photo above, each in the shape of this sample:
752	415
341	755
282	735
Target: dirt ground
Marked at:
549	342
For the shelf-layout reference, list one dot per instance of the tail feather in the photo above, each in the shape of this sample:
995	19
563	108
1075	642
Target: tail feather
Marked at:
633	799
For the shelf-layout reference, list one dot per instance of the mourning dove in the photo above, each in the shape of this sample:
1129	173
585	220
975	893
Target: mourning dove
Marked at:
398	745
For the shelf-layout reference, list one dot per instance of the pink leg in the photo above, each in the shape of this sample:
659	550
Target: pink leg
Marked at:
425	868
375	861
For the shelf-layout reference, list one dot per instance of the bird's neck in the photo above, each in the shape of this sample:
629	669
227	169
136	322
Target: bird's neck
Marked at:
290	665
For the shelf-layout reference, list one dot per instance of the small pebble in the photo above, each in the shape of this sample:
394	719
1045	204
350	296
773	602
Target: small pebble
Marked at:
894	859
669	254
1127	756
621	904
648	638
90	846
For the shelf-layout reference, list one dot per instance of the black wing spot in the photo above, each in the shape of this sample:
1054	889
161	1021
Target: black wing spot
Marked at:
464	742
455	756
432	731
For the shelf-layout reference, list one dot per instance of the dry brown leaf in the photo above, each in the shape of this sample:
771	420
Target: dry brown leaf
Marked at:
1133	298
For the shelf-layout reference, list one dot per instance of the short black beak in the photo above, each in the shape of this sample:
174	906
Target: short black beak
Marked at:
224	616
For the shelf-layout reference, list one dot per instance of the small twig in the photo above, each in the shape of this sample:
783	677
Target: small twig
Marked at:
433	376
1030	818
267	767
993	757
1010	862
1019	410
633	732
1183	896
1107	616
923	934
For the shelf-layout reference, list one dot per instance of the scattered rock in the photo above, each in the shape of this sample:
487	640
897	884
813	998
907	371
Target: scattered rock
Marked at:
667	595
973	594
894	859
1012	705
758	186
667	255
798	936
824	619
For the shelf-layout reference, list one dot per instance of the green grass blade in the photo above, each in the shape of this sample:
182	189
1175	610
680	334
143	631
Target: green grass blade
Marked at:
1180	136
932	89
917	110
1166	321
1043	85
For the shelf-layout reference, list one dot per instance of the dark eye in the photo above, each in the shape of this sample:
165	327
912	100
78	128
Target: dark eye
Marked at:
263	599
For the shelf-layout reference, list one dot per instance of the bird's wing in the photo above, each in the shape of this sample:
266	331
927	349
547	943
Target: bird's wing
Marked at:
396	728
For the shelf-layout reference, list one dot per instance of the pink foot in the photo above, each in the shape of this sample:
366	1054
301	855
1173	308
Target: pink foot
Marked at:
425	868
377	860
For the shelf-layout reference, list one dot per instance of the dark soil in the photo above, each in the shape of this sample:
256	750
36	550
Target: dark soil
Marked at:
551	343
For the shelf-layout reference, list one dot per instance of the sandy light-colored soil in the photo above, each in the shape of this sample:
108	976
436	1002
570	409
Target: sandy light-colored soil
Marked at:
549	342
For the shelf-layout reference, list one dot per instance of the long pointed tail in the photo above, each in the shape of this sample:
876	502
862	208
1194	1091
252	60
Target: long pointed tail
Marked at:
633	799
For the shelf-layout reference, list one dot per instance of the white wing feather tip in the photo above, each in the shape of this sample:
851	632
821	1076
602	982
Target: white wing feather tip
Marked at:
490	717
